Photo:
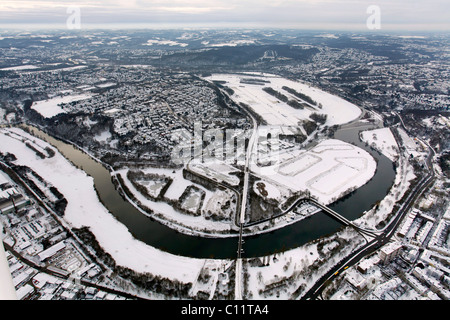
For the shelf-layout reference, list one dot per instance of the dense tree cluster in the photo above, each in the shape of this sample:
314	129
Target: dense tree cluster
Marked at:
146	281
300	95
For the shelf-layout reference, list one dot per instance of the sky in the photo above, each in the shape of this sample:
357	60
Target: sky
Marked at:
304	14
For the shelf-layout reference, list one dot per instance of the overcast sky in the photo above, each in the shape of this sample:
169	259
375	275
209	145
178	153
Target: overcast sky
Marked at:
309	14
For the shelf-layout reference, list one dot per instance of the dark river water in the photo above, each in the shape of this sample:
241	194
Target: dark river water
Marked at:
160	236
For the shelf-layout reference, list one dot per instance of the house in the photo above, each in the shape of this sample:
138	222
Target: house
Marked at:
51	251
389	252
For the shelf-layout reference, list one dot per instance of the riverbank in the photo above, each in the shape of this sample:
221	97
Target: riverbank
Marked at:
85	210
167	239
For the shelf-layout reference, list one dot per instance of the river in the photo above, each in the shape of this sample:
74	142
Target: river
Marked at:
163	237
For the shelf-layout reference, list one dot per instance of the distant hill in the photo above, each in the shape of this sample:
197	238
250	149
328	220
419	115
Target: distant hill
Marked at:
240	55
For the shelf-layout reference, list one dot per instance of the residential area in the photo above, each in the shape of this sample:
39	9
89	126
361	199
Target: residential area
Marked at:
337	187
46	261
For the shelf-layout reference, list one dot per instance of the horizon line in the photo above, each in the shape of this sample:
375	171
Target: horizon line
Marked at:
341	27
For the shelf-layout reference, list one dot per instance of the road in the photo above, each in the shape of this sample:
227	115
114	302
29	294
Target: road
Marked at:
68	278
17	179
250	148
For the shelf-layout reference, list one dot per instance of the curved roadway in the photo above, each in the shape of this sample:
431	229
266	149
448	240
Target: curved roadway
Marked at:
380	239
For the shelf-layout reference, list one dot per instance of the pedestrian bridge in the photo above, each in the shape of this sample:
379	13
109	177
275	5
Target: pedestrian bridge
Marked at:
343	219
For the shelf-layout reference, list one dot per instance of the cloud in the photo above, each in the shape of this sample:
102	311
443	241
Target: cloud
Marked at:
18	6
263	12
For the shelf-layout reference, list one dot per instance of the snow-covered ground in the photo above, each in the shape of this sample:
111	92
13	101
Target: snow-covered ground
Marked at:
216	170
275	112
2	115
404	174
167	214
409	143
279	267
51	107
331	168
267	190
165	43
103	136
327	170
382	140
280	275
18	68
232	43
105	85
113	236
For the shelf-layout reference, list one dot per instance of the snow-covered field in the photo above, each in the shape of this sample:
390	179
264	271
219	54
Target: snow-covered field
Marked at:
232	43
164	43
51	107
410	145
328	170
275	112
267	190
18	68
284	273
404	175
113	236
216	170
331	168
103	136
181	221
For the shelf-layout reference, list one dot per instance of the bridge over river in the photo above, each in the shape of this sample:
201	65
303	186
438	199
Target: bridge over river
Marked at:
163	237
